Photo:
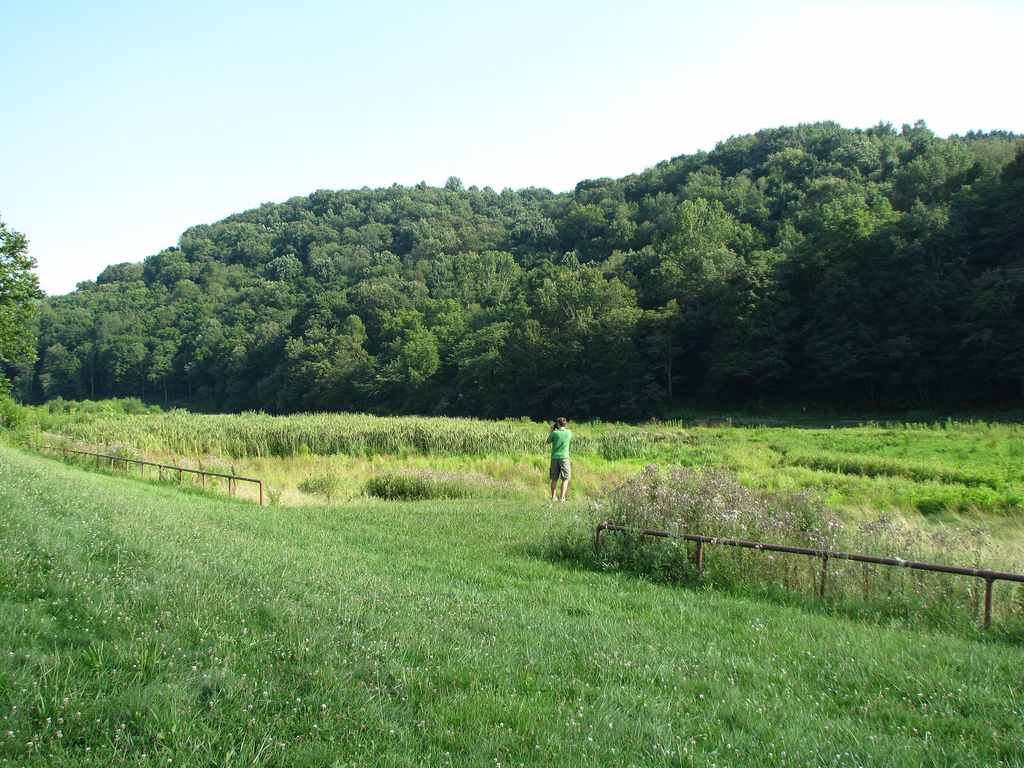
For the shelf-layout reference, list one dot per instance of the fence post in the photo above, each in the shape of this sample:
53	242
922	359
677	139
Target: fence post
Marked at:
179	475
261	493
700	557
988	602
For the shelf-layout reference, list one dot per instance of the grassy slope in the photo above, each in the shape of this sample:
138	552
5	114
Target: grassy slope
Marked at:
162	625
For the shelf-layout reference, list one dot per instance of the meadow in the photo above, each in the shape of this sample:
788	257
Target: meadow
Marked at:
945	492
140	625
940	472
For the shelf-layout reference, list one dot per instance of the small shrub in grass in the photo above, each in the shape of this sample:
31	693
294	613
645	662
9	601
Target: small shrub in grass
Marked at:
419	486
274	495
1014	501
326	485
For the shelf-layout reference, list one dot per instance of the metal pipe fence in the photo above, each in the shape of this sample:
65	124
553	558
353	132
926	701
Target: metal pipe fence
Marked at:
990	577
231	480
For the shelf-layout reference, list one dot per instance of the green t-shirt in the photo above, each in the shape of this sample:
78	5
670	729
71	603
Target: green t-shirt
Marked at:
560	439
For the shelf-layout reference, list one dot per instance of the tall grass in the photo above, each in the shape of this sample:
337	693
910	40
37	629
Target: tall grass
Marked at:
876	466
261	435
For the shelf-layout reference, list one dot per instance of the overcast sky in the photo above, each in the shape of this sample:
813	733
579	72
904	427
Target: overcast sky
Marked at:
124	123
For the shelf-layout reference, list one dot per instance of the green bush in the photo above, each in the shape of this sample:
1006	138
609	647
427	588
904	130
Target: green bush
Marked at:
960	498
12	415
421	486
123	406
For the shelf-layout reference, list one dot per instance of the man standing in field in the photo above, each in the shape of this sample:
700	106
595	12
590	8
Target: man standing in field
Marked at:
559	438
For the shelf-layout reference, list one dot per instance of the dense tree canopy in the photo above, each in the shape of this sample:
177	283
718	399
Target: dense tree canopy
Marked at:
19	290
876	268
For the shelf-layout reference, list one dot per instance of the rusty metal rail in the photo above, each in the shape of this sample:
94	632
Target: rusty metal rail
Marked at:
825	555
181	471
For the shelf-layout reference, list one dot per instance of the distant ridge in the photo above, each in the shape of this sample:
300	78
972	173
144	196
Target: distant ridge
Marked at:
876	268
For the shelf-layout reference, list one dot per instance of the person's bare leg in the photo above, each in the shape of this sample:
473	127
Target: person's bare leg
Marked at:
565	488
554	487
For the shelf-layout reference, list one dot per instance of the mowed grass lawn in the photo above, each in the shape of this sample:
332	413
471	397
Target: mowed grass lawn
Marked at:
140	625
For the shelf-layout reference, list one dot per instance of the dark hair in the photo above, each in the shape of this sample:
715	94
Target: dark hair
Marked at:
561	421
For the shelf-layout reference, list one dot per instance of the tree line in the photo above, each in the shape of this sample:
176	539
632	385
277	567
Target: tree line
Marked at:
875	268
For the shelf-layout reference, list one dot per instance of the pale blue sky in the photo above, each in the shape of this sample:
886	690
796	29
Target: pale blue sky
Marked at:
124	123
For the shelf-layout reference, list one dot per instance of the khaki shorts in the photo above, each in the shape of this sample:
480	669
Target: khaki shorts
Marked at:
560	469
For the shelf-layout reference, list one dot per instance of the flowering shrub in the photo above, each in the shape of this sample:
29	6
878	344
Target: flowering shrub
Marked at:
713	503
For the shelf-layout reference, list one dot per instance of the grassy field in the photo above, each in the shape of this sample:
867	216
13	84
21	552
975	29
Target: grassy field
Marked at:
140	625
945	472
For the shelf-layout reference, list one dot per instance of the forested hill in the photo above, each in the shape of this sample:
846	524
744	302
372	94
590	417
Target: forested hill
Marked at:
875	268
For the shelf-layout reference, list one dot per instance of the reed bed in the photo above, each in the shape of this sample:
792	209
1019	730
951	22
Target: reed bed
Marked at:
261	435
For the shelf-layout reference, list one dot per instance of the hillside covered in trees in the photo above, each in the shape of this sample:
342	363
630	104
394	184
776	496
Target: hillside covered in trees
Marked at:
811	264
